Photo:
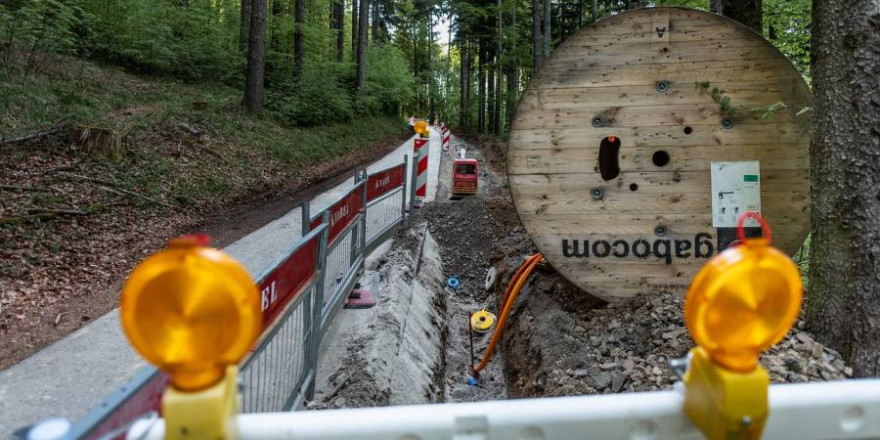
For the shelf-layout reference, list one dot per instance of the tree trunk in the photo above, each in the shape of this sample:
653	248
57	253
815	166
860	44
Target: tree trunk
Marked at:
481	88
253	91
339	8
580	14
844	292
273	39
560	21
716	6
548	35
512	73
470	80
431	109
362	48
244	28
747	12
375	25
299	36
499	69
595	10
447	110
536	35
354	29
464	84
490	94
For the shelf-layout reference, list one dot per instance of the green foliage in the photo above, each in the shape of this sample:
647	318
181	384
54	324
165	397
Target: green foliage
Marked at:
324	92
788	25
390	83
34	27
164	37
770	111
718	95
317	97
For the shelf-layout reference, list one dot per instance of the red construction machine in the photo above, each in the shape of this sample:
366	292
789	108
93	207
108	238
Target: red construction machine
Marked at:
464	177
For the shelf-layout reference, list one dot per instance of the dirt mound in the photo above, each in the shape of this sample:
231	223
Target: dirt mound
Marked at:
554	351
395	356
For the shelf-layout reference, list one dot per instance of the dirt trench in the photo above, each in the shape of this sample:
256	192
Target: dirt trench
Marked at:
419	314
559	340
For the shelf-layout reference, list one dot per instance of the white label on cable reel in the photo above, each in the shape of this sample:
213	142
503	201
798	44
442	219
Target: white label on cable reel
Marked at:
736	188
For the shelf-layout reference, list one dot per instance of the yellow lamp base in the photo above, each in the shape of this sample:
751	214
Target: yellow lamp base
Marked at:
206	414
724	404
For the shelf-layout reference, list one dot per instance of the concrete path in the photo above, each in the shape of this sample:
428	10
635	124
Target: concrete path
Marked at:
68	378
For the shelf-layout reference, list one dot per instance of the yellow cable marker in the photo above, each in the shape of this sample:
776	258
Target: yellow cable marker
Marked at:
741	303
482	321
193	312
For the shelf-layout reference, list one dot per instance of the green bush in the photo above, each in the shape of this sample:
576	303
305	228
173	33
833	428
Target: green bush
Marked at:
317	97
163	37
390	83
34	27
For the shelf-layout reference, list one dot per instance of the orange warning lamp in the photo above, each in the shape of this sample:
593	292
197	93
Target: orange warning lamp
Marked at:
191	311
421	127
744	300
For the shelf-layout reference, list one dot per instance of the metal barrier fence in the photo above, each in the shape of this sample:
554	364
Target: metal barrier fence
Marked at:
300	294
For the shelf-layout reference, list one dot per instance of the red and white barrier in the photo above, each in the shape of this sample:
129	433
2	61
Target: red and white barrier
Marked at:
447	138
420	152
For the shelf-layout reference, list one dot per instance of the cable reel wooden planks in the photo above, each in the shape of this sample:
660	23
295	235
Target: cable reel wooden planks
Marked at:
642	139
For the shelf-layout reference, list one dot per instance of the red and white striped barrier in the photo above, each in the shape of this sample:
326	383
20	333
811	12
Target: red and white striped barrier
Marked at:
446	136
420	153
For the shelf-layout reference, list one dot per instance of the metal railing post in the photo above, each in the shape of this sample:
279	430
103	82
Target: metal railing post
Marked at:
306	218
403	190
412	180
354	239
318	305
363	220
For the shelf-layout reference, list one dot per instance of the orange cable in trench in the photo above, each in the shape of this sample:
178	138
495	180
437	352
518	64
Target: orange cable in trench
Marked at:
517	282
515	277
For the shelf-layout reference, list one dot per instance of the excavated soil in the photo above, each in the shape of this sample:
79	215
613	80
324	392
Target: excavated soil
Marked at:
561	341
393	352
468	230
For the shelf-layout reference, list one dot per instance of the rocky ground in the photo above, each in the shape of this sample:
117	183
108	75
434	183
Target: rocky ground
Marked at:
392	353
553	350
561	341
467	230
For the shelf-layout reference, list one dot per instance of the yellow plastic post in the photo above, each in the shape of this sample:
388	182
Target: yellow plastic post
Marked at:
206	414
725	404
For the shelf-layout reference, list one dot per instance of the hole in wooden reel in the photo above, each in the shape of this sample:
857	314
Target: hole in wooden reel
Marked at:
660	158
609	164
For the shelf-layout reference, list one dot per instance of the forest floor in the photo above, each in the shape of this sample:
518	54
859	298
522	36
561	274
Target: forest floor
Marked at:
99	168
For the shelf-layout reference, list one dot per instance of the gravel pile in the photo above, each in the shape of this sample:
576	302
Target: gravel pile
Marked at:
625	346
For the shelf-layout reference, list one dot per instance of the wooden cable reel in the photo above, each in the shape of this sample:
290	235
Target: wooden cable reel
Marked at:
612	148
